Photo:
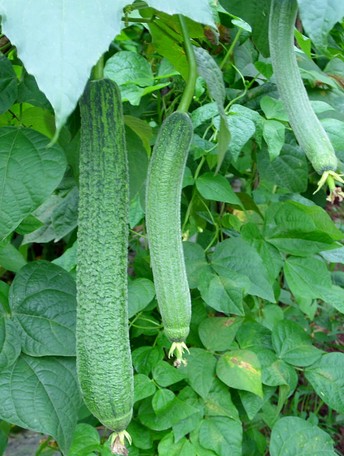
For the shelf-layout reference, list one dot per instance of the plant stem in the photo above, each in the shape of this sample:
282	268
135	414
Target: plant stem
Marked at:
191	82
98	69
231	49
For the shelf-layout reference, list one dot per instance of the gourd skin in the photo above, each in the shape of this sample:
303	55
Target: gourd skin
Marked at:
307	128
103	352
163	197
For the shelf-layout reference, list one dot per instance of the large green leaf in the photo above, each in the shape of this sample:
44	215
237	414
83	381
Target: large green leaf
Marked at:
43	304
217	188
200	370
238	255
41	394
168	447
218	333
141	291
256	13
222	435
319	16
294	436
29	172
327	378
289	170
8	84
62	65
241	369
298	229
293	345
10	343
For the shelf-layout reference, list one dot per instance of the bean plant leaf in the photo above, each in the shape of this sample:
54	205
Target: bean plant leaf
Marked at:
256	13
309	439
293	345
222	435
29	172
10	342
241	369
168	447
143	387
273	134
202	13
141	291
218	333
85	440
41	394
238	255
217	188
8	84
43	304
318	18
327	379
10	257
200	370
289	170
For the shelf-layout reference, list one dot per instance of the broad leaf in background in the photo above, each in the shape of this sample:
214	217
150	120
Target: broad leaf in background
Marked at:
222	435
241	369
212	74
293	344
327	379
8	84
41	394
29	172
289	170
256	13
10	343
63	64
319	16
43	303
294	436
217	188
141	291
85	440
10	258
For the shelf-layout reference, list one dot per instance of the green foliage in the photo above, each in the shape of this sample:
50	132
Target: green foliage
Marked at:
263	254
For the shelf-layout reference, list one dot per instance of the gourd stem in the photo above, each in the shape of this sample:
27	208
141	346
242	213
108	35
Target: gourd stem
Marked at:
191	82
98	69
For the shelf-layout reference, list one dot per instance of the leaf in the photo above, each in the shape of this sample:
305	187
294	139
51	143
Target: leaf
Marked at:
298	229
218	333
308	440
240	369
29	172
237	255
43	303
10	258
253	336
165	374
319	17
41	394
307	278
62	66
162	399
256	13
195	262
8	84
273	134
141	292
168	447
279	373
85	440
327	379
129	67
293	345
224	293
241	130
222	435
145	358
200	371
202	13
143	387
176	411
273	108
219	402
216	188
142	129
10	343
289	170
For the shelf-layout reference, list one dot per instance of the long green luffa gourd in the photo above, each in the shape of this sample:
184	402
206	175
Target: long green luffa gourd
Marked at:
307	128
103	352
